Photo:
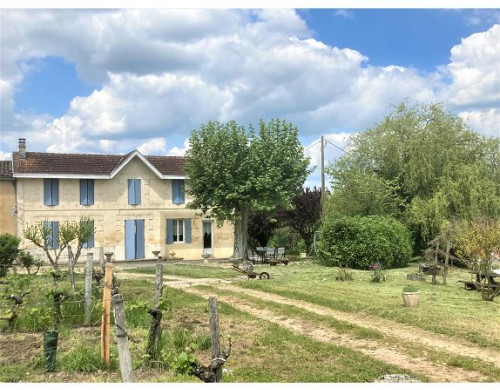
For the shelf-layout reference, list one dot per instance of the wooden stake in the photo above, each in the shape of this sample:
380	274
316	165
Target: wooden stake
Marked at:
106	311
152	348
214	334
102	262
71	270
122	340
158	284
88	288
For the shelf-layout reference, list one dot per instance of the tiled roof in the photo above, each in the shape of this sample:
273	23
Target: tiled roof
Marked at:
168	165
5	169
88	164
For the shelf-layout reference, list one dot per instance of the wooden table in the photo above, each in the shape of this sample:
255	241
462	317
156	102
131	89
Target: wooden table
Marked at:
479	282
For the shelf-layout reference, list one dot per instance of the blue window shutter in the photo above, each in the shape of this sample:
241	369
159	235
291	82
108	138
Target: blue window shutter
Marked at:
131	192
90	192
187	231
84	200
55	192
55	234
170	231
182	196
175	191
139	238
137	191
129	239
47	192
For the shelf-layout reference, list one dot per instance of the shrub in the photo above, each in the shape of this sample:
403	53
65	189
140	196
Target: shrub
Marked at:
358	242
410	288
9	249
288	238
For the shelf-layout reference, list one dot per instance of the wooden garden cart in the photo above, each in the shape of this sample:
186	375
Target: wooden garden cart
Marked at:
251	274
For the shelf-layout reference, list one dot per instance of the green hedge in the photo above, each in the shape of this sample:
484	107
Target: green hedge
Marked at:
358	242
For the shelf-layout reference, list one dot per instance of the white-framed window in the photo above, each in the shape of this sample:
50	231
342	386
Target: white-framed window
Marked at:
178	230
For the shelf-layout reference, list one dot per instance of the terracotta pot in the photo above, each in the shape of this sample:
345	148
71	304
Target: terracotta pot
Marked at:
411	299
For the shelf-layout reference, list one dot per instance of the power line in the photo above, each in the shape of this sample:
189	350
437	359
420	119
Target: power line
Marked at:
313	144
338	147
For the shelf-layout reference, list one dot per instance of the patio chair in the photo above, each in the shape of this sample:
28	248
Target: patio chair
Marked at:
280	254
260	252
270	253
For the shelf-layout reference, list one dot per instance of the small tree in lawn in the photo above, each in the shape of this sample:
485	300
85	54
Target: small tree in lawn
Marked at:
232	171
478	242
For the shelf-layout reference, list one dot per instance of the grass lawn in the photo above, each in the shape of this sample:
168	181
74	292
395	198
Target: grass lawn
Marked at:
263	350
444	309
191	271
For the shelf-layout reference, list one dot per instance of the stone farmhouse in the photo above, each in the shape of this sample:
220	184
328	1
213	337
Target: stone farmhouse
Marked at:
136	203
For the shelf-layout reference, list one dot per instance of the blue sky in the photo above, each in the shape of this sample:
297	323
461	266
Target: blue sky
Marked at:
109	81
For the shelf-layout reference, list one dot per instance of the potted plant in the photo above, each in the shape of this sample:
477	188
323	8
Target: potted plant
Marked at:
411	295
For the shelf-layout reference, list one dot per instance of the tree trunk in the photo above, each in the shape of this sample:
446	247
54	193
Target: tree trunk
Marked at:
71	269
446	261
241	234
435	264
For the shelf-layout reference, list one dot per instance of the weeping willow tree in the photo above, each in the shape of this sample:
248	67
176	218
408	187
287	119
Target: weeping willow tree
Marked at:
421	165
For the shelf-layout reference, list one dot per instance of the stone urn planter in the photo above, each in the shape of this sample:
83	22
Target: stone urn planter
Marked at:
411	296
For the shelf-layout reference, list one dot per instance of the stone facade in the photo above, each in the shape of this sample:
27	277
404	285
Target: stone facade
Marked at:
7	206
111	209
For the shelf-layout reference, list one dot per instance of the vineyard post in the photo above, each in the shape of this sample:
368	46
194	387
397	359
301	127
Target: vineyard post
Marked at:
71	270
214	334
88	287
122	340
102	263
158	284
106	313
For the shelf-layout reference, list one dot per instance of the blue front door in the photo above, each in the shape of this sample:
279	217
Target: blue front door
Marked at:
134	239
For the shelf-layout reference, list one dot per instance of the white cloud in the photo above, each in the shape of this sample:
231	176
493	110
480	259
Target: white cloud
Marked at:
346	14
176	151
486	122
164	72
153	146
5	156
474	71
476	17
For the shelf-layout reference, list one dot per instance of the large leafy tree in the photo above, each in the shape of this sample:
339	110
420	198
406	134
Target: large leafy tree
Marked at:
421	165
232	171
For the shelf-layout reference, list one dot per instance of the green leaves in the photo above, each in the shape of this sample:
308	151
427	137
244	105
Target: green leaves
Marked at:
229	167
358	242
421	165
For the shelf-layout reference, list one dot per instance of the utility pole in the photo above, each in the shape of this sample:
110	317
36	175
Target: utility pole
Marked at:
322	172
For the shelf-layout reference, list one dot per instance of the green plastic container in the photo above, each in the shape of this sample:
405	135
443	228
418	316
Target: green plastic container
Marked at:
50	349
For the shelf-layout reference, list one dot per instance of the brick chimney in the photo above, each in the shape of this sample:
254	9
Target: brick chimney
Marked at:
22	148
